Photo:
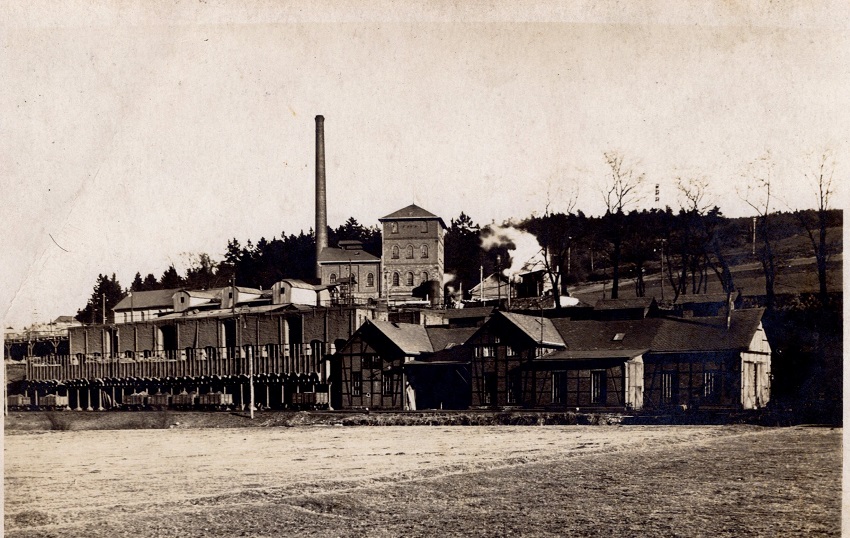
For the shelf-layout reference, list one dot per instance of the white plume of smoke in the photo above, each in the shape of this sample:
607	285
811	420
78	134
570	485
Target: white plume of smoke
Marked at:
522	247
448	277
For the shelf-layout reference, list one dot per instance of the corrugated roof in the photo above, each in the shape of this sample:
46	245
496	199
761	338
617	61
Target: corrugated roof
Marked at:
531	325
147	299
414	212
409	338
338	255
205	294
300	284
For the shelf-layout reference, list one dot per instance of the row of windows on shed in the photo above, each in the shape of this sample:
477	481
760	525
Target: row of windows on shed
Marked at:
408	252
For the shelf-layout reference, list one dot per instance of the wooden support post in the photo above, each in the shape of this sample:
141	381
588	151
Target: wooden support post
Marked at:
78	408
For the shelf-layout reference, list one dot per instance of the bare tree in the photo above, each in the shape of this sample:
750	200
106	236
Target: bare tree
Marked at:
556	232
757	193
620	191
703	244
820	176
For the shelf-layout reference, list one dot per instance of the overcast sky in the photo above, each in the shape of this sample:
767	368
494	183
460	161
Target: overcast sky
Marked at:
133	136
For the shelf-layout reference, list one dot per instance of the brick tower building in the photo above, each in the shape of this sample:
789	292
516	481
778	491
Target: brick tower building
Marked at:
413	252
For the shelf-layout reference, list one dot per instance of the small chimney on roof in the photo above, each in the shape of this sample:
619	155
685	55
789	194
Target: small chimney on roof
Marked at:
321	194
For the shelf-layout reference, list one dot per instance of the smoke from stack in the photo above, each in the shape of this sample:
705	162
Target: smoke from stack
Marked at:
321	194
523	247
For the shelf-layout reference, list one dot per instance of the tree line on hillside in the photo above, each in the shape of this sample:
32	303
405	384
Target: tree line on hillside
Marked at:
693	244
697	245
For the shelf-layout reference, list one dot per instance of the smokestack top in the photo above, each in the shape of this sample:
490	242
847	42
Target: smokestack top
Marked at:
320	118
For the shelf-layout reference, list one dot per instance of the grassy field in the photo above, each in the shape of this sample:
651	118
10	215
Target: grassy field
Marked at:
425	481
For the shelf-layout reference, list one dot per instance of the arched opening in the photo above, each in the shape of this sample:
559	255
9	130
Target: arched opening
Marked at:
395	279
409	252
409	279
423	251
370	280
395	252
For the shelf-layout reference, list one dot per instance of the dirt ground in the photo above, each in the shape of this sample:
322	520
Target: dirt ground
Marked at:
424	481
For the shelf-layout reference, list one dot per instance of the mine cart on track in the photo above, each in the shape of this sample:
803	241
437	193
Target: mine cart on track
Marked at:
215	401
159	401
52	402
18	402
184	400
135	401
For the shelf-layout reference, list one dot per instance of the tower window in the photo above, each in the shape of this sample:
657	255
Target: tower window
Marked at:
395	279
409	253
423	252
395	252
333	278
409	279
370	280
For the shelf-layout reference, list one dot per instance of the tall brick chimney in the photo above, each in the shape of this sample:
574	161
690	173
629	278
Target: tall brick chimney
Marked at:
321	194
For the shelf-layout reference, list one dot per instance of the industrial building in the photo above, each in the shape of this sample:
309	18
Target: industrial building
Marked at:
370	332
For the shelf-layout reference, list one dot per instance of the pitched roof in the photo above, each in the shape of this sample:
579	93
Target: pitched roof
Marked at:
577	355
590	335
662	335
446	337
704	298
708	334
147	299
531	326
412	212
339	255
409	338
467	312
620	304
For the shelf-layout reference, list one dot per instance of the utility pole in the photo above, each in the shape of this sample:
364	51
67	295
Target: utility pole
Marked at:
103	303
662	268
481	291
499	278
